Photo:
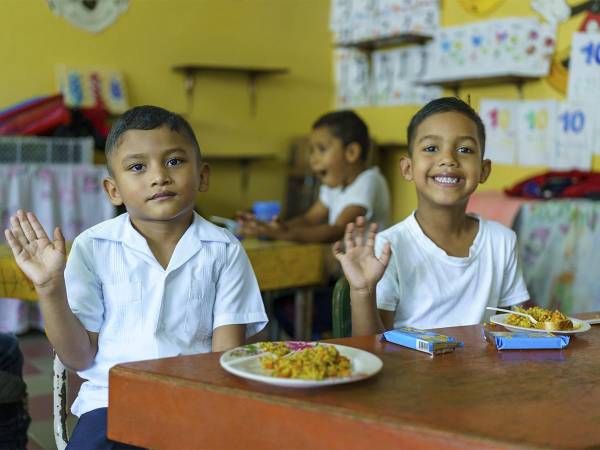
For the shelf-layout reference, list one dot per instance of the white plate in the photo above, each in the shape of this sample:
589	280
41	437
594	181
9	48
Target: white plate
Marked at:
580	325
244	362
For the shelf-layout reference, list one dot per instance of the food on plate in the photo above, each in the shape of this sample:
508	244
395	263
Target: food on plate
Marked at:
541	315
309	362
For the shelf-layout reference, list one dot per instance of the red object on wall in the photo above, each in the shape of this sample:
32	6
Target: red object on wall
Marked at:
38	117
559	184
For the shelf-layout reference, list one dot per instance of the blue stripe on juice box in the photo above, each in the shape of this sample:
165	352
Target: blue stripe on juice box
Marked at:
422	340
505	340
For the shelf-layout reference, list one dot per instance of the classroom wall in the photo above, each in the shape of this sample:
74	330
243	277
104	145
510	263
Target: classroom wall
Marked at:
388	124
154	35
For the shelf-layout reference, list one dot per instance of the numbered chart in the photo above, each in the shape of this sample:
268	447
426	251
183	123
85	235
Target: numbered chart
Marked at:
584	68
536	132
500	119
573	149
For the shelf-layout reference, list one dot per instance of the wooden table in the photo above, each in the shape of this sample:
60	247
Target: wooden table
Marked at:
277	265
474	398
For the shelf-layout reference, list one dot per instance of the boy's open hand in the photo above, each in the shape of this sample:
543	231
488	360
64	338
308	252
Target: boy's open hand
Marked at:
250	226
361	267
41	259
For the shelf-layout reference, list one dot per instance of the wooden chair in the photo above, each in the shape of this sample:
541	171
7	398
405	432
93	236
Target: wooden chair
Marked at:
66	384
341	312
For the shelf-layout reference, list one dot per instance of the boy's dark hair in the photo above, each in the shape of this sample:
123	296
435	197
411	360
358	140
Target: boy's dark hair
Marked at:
147	117
347	126
442	105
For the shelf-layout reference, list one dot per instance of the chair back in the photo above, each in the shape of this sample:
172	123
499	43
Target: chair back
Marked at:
66	385
341	312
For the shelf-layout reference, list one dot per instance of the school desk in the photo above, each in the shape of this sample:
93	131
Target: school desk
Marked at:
474	398
277	265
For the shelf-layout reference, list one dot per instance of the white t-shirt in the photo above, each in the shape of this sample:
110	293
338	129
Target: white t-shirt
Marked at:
117	288
429	289
368	190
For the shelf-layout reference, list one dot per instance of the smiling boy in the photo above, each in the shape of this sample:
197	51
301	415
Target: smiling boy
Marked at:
440	266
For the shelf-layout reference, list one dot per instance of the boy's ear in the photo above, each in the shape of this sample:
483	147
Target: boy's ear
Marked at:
112	191
352	152
204	177
486	169
406	167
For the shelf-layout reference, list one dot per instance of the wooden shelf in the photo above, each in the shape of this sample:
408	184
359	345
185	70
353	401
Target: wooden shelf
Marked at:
455	85
391	41
191	70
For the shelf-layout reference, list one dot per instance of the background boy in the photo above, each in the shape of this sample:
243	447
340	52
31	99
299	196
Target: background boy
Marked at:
445	266
349	188
154	282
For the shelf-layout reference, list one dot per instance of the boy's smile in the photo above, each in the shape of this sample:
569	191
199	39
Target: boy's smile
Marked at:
446	162
156	175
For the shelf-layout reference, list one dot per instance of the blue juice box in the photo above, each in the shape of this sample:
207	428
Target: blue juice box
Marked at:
422	340
508	340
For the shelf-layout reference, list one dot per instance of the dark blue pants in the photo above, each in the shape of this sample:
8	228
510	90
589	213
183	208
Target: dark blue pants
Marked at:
90	433
14	418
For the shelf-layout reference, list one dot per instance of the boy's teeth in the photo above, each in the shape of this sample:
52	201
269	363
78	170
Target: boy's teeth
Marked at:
446	180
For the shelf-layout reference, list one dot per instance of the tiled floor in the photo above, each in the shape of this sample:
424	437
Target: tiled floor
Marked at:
37	371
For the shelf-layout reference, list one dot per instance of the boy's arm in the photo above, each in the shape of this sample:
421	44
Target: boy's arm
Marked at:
228	336
316	215
43	261
363	270
322	232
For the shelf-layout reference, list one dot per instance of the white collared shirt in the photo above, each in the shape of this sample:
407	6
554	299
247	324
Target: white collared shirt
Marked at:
117	288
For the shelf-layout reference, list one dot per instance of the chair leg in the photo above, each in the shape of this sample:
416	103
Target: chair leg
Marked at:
60	404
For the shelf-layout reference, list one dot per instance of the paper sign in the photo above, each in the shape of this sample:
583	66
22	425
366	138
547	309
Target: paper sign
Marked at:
584	68
536	137
500	119
573	149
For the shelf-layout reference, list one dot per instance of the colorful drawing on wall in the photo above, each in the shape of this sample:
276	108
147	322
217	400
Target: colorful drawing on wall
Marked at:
90	15
88	88
588	13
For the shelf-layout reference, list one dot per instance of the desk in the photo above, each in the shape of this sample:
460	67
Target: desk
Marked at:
474	398
277	265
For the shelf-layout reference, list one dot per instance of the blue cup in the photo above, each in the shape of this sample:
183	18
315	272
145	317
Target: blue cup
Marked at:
265	210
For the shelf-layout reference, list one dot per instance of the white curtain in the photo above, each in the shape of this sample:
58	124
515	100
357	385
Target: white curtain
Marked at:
65	195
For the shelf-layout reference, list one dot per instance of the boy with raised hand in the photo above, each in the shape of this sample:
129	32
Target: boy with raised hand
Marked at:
155	282
339	149
440	266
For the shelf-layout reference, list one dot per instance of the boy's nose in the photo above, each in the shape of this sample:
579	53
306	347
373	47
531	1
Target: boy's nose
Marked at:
160	178
447	159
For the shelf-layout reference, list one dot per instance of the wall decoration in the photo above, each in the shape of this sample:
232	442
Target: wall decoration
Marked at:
90	15
352	77
493	48
553	11
480	7
584	71
574	127
87	88
500	119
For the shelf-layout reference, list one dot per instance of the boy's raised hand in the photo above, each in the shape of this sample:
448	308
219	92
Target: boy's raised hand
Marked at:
361	267
41	259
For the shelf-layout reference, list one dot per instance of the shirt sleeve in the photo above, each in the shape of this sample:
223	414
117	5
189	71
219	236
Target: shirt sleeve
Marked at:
84	290
238	299
514	290
325	195
388	288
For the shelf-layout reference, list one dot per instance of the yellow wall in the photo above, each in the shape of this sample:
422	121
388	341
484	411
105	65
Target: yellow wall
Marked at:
389	123
154	35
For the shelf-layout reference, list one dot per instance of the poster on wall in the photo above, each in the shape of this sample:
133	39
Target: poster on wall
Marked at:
574	124
584	68
536	132
352	78
500	120
88	88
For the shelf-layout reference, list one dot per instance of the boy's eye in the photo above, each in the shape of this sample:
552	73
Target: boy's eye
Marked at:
136	167
464	150
173	162
430	148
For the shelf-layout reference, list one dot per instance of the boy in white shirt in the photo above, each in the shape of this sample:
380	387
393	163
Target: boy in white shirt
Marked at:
339	150
443	266
154	282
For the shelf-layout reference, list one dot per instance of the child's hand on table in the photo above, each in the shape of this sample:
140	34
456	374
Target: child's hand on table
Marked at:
362	268
42	260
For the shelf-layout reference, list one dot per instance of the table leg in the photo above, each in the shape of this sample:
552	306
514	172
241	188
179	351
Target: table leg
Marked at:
303	307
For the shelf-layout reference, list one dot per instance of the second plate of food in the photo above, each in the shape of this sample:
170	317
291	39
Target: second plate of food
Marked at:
579	326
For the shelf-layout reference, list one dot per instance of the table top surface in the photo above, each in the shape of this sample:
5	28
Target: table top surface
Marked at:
521	398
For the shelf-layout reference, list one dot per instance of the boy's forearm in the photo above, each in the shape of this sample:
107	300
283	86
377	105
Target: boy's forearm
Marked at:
365	315
64	330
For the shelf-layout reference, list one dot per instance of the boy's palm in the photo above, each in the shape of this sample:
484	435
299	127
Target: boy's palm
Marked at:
38	257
